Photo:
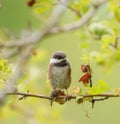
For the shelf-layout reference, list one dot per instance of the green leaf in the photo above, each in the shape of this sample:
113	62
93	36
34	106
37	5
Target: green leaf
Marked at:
80	92
84	45
98	29
79	99
107	40
99	58
42	6
101	87
85	56
81	5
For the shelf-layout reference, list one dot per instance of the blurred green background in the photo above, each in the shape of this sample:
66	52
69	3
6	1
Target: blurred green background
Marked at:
15	16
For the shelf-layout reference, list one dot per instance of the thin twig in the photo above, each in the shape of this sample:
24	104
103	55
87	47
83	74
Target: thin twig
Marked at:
29	95
98	99
115	45
77	12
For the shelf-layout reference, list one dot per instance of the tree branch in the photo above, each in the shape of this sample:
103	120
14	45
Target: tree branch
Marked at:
50	29
83	20
36	36
106	95
75	25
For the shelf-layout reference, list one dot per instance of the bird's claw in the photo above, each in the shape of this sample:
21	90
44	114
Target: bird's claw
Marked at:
68	97
54	95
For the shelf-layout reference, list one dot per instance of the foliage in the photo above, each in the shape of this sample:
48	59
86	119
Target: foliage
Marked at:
4	71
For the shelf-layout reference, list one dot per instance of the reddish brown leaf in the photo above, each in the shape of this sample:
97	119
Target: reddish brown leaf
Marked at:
85	68
85	78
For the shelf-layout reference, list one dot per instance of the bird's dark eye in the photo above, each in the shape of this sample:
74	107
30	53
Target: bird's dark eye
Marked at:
58	57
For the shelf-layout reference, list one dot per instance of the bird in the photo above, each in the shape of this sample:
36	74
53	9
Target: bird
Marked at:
59	71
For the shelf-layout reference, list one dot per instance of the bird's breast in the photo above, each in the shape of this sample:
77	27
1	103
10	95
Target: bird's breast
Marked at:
60	71
60	78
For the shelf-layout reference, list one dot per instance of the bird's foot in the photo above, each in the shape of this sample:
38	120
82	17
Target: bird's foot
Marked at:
54	94
68	97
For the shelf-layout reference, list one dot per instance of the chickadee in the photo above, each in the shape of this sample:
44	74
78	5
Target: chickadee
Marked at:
59	71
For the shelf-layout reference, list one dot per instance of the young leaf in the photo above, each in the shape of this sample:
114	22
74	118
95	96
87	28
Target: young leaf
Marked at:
101	87
85	68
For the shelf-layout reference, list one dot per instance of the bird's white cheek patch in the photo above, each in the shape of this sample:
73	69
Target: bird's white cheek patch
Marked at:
52	60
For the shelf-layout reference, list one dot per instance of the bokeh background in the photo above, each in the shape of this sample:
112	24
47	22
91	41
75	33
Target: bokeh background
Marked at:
16	16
